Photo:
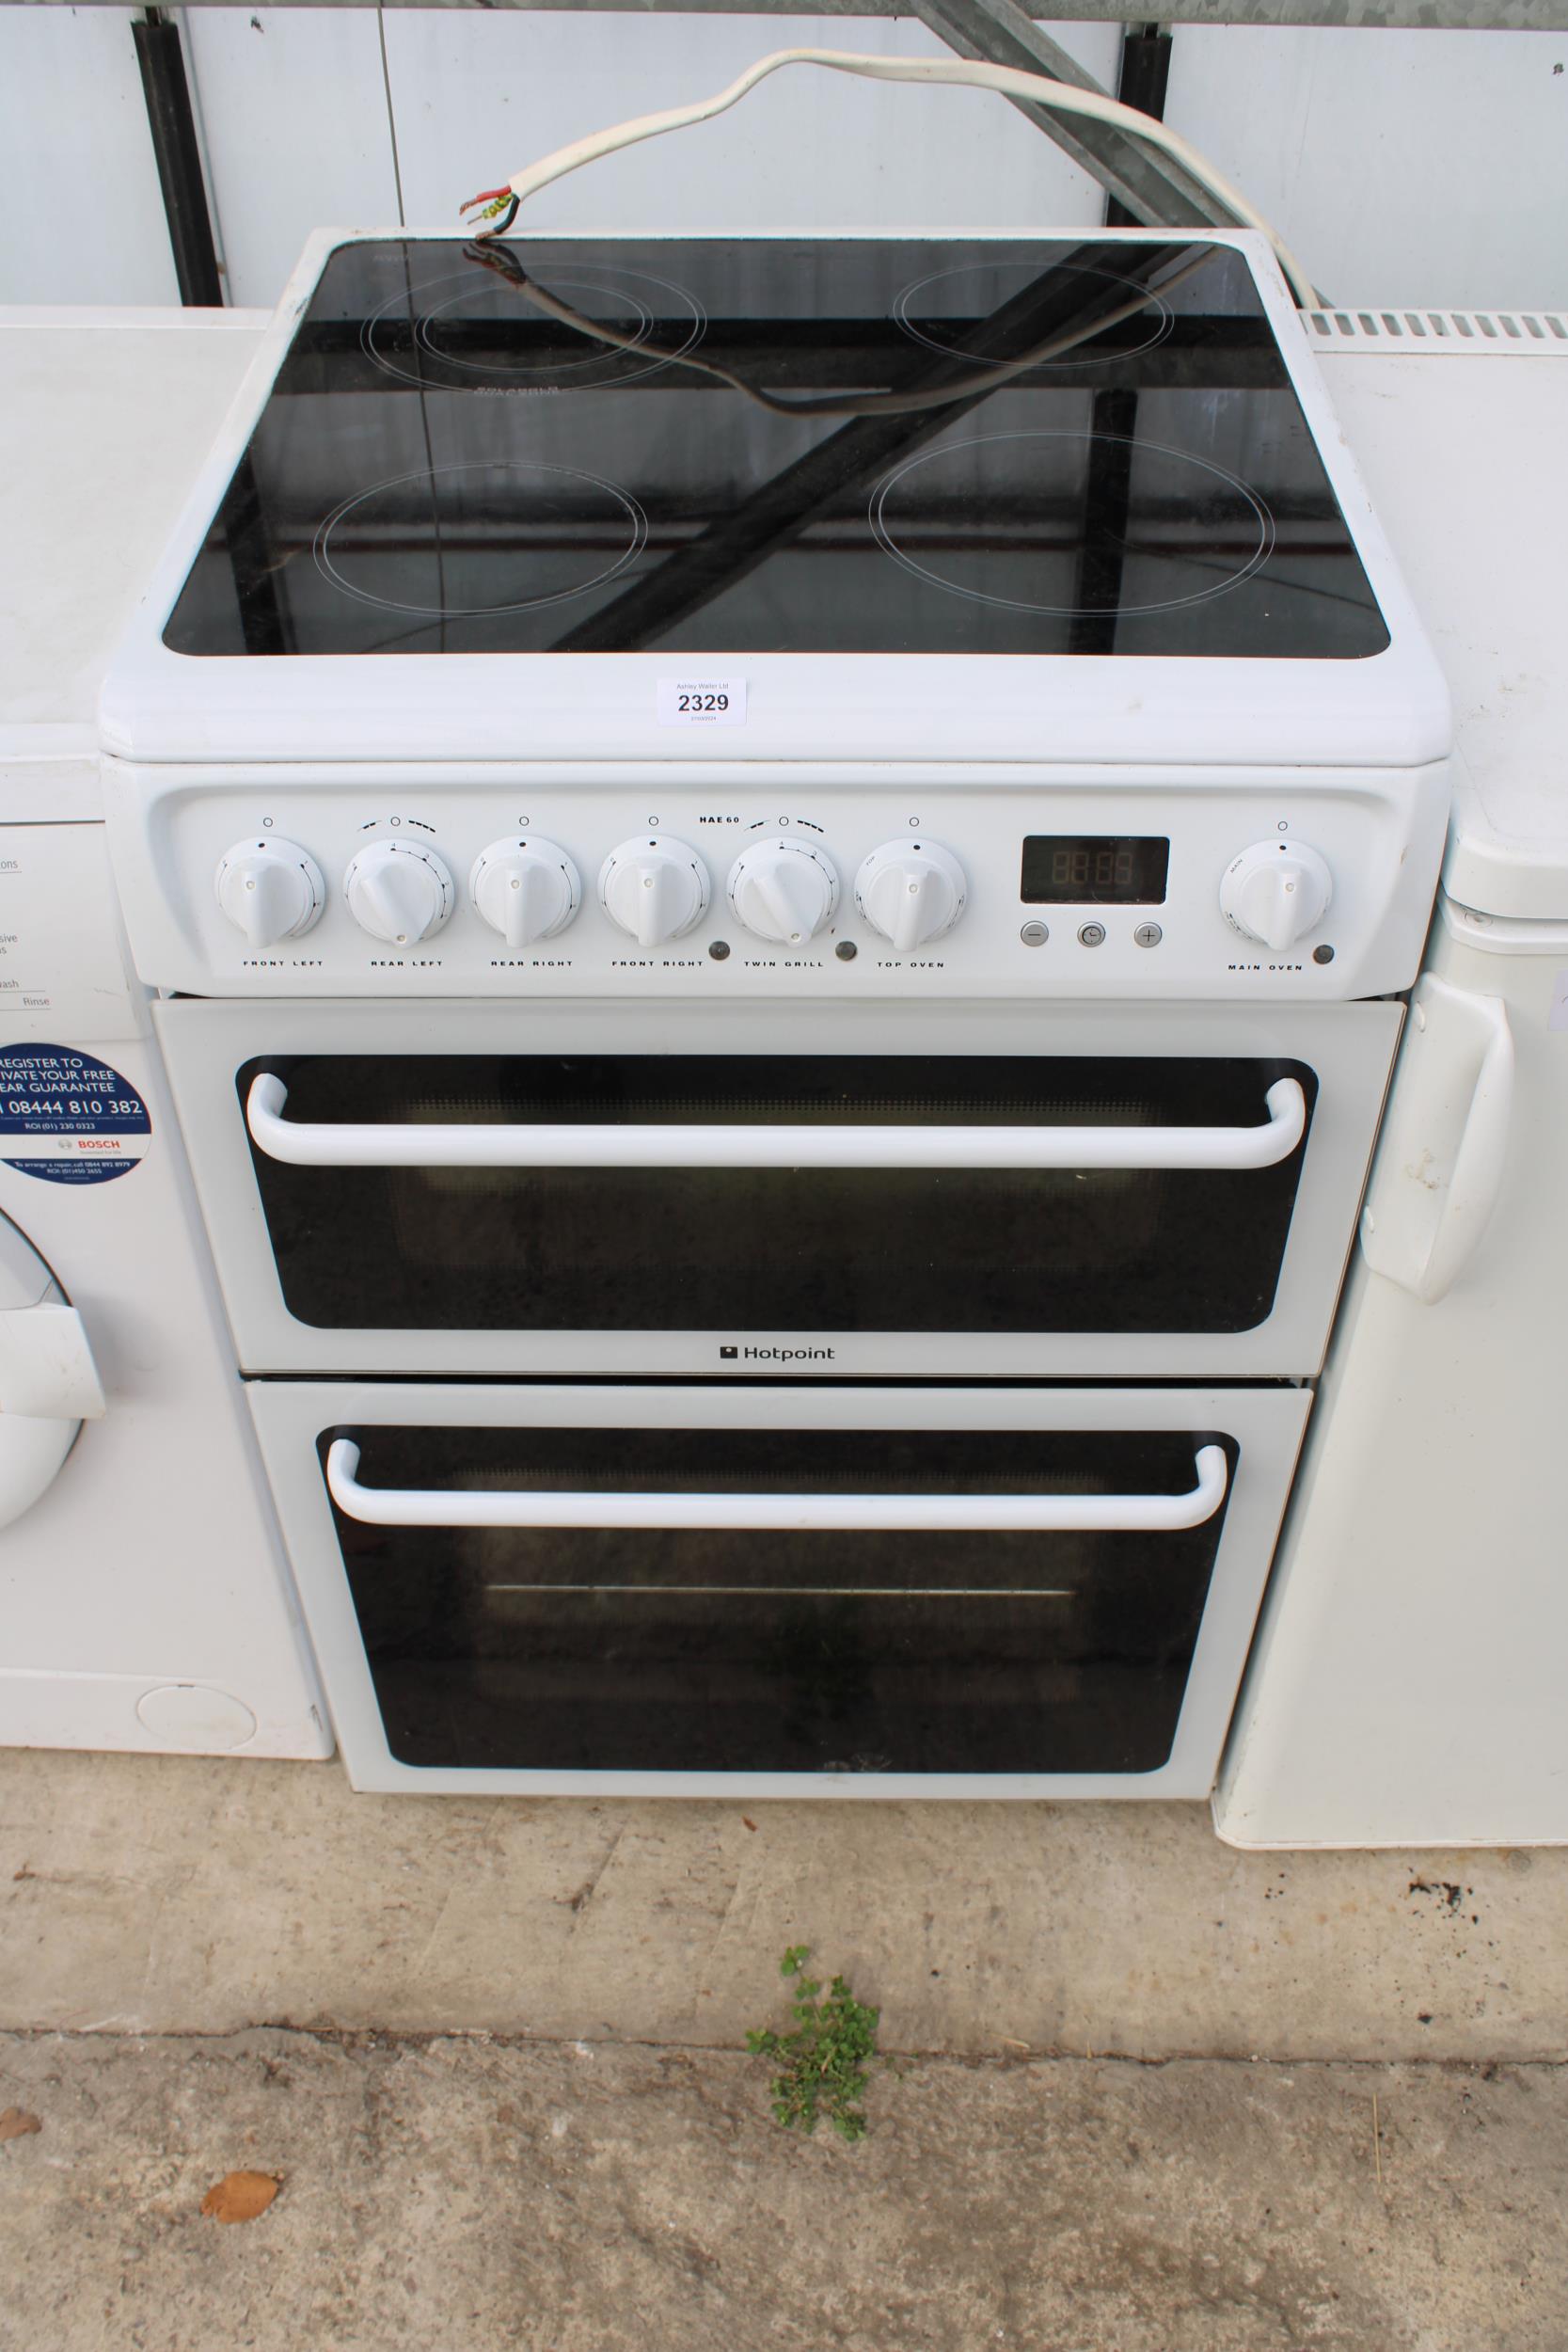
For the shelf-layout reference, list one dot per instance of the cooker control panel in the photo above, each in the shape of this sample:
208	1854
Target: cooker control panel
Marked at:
1273	885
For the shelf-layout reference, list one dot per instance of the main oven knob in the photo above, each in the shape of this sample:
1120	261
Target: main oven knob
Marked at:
654	888
783	890
526	889
269	889
910	891
398	891
1277	892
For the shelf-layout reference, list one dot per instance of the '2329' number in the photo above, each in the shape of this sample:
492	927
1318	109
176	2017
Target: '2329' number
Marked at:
702	702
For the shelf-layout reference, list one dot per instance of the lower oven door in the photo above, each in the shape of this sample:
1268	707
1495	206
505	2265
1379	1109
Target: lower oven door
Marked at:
981	1192
775	1591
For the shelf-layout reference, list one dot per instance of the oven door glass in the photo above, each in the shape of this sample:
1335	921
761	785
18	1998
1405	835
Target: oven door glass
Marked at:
764	1601
800	1193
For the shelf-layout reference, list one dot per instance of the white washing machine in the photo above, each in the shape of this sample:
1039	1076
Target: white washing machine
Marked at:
144	1601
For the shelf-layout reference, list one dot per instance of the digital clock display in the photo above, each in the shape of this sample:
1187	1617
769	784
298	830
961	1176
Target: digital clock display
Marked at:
1093	869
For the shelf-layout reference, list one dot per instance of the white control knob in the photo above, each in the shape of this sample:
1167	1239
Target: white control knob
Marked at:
910	891
269	889
783	890
654	888
526	889
1277	892
398	891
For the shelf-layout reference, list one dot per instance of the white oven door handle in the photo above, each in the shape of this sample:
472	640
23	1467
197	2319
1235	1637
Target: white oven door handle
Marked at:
669	1146
391	1506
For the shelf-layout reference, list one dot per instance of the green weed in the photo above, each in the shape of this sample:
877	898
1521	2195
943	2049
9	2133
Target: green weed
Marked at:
822	2063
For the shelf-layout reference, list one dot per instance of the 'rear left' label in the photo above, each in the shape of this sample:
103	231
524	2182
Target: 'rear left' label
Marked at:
68	1118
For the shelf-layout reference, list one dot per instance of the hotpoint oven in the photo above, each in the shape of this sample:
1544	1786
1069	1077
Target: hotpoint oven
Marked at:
780	1005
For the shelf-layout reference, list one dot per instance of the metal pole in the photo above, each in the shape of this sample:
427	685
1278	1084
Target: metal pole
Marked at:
1145	73
1155	187
178	159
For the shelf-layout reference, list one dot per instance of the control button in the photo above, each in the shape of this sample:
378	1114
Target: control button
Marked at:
398	892
654	888
1323	954
1035	934
911	892
783	890
1091	934
1149	934
846	951
525	889
271	889
1277	892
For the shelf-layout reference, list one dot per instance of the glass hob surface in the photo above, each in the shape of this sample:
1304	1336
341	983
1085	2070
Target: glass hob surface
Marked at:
801	445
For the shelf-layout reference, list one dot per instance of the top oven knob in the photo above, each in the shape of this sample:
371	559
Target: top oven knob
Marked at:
1277	892
398	891
783	890
269	889
654	888
526	889
910	891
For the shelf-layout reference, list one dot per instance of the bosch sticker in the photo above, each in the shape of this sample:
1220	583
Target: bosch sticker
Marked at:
67	1117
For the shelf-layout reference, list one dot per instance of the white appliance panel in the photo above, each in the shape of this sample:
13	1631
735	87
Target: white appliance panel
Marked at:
1407	1686
151	1564
1381	836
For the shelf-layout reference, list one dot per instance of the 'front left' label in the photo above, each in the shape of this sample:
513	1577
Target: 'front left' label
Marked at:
67	1117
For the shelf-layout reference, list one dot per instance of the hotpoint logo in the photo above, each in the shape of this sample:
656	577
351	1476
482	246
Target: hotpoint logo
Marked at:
777	1355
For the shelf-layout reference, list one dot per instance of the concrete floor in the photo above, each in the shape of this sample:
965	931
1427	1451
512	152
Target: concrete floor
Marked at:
494	2050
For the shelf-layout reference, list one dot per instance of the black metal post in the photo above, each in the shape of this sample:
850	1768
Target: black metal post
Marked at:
178	159
1145	73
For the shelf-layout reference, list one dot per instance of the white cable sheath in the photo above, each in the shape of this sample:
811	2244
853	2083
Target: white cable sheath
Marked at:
962	72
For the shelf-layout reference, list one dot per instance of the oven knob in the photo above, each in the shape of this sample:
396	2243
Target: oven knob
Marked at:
910	891
654	888
526	889
269	889
398	891
1277	892
783	890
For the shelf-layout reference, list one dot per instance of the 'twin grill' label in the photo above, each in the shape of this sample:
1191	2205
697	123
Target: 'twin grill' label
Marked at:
68	1118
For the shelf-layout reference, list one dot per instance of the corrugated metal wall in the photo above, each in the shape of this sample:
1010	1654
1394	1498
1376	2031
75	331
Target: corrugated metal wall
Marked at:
1408	167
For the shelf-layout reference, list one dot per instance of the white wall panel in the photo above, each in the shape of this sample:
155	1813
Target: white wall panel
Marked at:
81	215
478	95
1426	167
1406	167
293	112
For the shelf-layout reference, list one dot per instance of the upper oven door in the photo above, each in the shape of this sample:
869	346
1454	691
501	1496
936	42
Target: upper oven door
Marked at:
993	1192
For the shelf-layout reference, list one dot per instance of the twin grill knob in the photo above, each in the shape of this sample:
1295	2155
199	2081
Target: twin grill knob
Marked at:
654	888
